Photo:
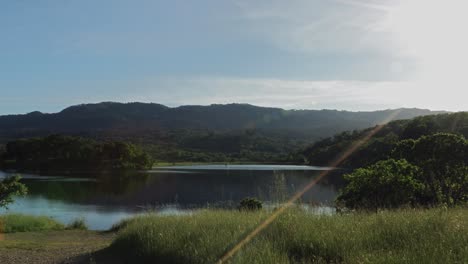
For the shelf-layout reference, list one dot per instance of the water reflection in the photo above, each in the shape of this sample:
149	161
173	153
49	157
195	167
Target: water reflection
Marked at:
106	198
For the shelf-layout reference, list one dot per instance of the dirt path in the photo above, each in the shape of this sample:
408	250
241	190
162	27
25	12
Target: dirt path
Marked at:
72	246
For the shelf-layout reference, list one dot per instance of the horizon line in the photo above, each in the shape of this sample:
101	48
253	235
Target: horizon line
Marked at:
226	104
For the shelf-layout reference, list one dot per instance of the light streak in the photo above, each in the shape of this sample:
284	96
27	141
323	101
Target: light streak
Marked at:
306	188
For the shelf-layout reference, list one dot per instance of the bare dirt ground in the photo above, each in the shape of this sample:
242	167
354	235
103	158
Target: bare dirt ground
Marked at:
73	246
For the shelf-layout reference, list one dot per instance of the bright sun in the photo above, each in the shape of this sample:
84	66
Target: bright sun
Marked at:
435	33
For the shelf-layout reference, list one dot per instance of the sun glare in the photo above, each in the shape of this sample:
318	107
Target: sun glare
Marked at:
434	33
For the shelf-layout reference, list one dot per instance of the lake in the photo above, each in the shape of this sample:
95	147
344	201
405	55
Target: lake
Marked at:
104	199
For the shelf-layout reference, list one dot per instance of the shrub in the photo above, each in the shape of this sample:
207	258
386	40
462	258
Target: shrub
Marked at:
386	184
250	204
79	223
443	159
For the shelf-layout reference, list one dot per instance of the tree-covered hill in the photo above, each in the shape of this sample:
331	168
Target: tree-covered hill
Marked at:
136	118
230	132
383	142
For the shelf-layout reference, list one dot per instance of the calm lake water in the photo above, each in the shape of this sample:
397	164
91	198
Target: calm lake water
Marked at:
104	199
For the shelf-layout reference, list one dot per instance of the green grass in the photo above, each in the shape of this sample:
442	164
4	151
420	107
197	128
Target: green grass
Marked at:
404	236
12	223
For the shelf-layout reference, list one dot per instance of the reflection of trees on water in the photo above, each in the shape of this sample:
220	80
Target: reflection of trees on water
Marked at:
278	188
121	183
284	184
197	189
82	190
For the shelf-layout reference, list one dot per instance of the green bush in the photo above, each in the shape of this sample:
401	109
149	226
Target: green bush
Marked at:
443	159
386	184
79	223
250	204
431	171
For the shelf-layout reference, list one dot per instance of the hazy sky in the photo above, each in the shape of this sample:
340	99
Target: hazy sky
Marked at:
308	54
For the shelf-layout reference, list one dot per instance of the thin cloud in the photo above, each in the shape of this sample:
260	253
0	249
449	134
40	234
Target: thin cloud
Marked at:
320	26
295	94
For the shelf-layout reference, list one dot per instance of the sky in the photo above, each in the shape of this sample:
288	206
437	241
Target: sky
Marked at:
354	55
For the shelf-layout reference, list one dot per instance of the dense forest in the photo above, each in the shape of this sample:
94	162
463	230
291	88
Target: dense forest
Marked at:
58	153
225	133
137	118
381	144
209	146
418	162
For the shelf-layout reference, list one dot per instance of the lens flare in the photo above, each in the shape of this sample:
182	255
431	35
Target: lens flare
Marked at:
306	188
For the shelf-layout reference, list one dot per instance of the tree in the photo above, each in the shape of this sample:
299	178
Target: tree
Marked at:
443	159
10	187
385	184
57	152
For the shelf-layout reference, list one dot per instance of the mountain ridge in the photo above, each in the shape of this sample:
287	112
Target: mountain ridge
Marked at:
114	116
216	132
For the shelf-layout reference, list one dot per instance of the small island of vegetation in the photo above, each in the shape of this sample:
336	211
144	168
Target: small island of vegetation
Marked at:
69	153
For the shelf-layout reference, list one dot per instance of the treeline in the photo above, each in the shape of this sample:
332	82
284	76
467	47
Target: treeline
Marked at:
137	119
57	152
429	171
418	162
380	146
221	133
209	146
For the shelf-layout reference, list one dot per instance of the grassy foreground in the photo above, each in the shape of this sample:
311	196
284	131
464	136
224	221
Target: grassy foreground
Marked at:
40	239
12	223
404	236
65	246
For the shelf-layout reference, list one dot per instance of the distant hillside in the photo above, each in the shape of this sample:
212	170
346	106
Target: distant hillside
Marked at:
233	132
137	118
380	145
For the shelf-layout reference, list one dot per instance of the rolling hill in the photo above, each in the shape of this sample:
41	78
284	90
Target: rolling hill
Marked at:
133	118
214	132
379	147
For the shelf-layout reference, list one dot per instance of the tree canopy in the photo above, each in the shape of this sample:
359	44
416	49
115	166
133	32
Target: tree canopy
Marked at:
431	170
385	184
58	152
380	146
10	187
443	159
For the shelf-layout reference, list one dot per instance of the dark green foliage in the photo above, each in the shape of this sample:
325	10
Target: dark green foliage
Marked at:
433	170
223	133
250	204
443	159
134	118
433	144
386	184
381	144
58	152
10	187
209	146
